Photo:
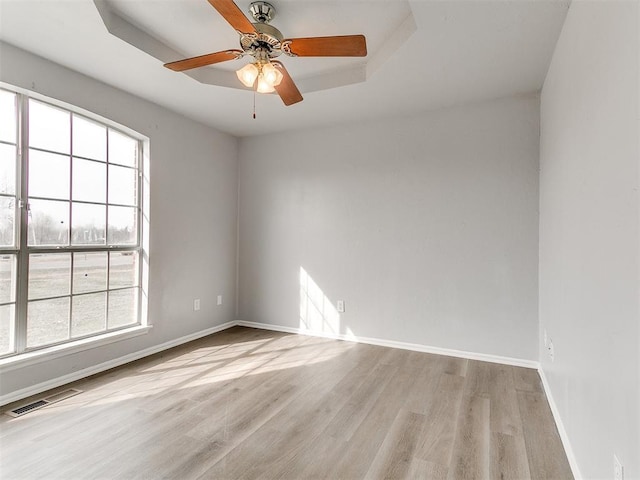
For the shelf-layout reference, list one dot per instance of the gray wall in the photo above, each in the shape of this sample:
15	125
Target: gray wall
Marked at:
193	212
589	237
427	227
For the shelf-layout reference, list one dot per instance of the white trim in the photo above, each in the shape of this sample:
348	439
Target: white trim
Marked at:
80	374
561	430
483	357
64	349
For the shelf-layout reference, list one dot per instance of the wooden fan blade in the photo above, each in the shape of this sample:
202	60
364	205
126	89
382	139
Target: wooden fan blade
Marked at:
203	60
339	46
287	90
232	14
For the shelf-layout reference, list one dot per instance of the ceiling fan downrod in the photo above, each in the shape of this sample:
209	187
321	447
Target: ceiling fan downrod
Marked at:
262	12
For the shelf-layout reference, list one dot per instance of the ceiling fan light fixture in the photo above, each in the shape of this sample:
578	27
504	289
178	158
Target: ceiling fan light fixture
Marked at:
248	74
267	75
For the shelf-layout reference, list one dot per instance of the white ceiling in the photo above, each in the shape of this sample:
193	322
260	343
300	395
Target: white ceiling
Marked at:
461	51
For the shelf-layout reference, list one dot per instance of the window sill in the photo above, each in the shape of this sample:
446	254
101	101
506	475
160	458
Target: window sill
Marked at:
57	351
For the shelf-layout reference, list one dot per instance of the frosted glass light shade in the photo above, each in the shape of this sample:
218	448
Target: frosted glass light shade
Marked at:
264	86
271	75
248	74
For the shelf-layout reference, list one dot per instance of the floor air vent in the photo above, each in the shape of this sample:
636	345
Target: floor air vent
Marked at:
43	402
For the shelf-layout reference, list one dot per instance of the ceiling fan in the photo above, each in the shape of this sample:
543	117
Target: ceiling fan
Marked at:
264	42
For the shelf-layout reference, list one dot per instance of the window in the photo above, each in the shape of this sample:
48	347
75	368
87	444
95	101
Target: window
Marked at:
70	225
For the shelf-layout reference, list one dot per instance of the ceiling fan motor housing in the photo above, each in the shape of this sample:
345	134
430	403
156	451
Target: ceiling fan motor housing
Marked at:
267	39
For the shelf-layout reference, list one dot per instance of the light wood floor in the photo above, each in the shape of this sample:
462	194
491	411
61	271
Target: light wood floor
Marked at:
248	403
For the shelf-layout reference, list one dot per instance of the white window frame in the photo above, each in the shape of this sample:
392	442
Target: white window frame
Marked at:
21	355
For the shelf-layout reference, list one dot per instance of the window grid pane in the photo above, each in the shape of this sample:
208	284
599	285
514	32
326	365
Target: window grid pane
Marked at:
123	307
7	328
7	221
89	272
48	322
123	150
48	223
89	139
49	127
49	275
8	276
49	175
8	159
8	117
89	181
123	185
123	269
89	222
89	314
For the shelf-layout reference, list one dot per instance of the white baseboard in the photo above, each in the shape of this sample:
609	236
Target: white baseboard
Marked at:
561	430
86	372
483	357
80	374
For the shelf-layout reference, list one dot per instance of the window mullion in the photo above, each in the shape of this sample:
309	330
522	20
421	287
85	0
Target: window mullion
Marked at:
70	226
140	225
23	224
106	233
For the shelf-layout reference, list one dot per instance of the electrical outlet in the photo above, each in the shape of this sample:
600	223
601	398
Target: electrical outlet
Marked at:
551	350
618	469
340	306
219	300
196	305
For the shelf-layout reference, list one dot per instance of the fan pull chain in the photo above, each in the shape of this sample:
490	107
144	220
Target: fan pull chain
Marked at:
254	104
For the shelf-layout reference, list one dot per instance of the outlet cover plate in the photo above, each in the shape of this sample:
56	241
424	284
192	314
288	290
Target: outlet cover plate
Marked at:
340	306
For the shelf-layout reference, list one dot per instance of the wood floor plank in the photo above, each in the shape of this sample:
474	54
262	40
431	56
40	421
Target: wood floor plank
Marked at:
545	452
421	469
346	422
453	365
470	458
277	446
249	403
421	394
358	453
508	457
526	379
396	453
477	378
160	450
438	436
313	460
505	413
